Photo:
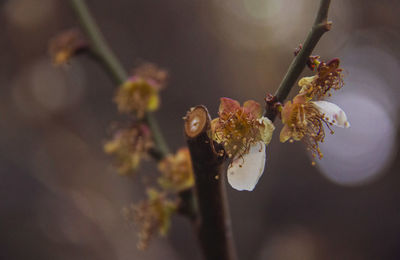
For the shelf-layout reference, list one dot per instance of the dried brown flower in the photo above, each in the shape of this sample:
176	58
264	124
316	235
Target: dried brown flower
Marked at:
140	93
151	216
329	76
66	45
129	146
177	172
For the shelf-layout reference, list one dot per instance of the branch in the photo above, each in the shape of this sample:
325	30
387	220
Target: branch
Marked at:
320	26
106	58
214	225
98	45
103	54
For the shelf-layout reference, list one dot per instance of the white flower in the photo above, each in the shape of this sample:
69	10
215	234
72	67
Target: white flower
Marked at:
305	120
244	132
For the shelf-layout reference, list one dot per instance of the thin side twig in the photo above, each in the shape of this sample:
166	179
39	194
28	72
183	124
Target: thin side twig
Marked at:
106	58
320	26
213	222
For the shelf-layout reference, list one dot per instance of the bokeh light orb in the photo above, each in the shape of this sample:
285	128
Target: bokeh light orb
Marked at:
357	155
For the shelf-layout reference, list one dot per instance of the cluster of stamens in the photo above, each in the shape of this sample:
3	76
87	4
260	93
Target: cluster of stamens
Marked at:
177	172
151	216
134	96
308	122
146	218
329	77
237	131
140	93
129	146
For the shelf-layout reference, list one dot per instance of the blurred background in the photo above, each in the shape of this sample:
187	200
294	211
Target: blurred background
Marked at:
60	196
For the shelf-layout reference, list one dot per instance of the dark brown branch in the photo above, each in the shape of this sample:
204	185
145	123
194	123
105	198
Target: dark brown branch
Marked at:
188	204
320	26
213	223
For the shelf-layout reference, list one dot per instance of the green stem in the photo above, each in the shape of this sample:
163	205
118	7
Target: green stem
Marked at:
102	52
320	26
162	147
98	44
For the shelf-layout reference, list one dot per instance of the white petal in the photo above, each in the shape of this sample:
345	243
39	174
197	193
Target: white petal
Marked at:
333	113
245	172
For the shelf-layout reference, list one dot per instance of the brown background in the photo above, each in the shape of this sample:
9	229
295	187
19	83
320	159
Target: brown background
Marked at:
60	197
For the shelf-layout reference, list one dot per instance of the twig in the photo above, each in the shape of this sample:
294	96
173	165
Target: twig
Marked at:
106	58
98	45
320	26
103	54
213	224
